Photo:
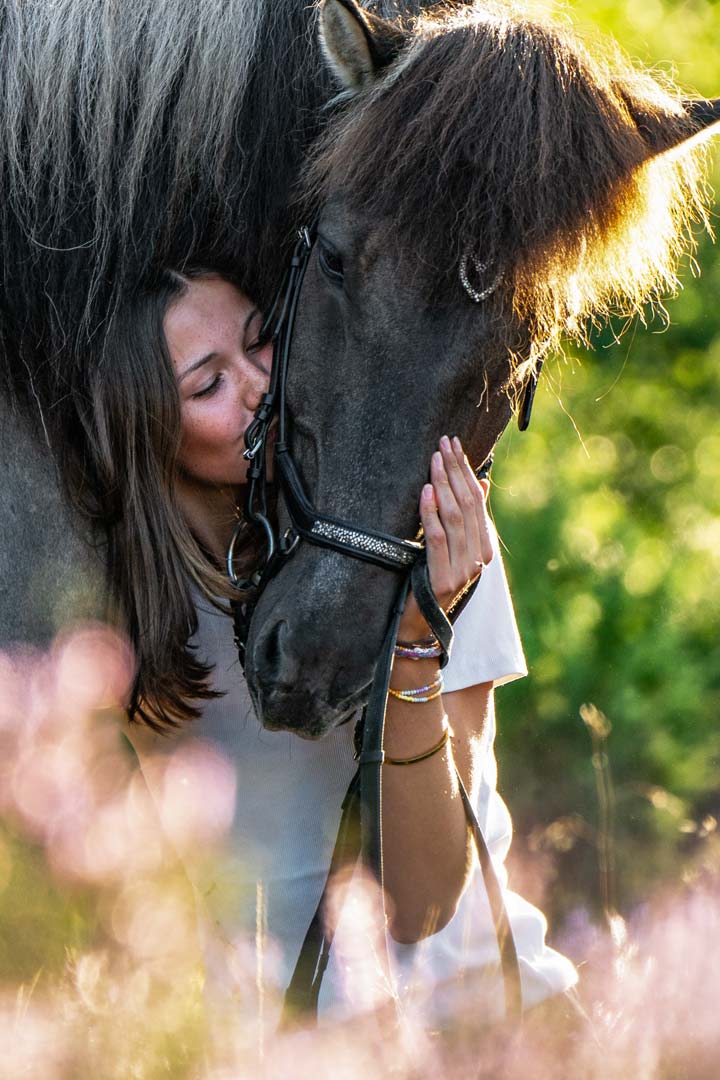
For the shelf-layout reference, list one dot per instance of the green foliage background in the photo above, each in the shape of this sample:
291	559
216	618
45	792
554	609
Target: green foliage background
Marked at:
609	508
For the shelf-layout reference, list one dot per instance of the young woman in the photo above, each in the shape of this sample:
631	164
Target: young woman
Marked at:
192	341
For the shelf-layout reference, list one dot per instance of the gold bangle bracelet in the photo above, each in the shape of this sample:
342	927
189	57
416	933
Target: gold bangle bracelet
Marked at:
447	734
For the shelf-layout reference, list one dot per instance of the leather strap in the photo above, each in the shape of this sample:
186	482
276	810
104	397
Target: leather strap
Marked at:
301	996
503	931
364	796
372	755
431	611
359	833
364	800
529	398
325	531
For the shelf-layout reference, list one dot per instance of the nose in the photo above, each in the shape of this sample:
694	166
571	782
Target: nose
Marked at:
283	688
269	655
256	379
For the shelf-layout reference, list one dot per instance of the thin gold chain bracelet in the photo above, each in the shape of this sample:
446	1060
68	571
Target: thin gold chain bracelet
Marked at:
447	734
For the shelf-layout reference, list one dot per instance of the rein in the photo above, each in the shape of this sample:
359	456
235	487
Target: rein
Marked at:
360	830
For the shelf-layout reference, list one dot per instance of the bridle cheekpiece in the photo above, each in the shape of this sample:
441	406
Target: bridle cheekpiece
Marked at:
307	523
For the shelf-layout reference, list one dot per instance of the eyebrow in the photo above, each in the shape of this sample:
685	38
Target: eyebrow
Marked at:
197	364
213	355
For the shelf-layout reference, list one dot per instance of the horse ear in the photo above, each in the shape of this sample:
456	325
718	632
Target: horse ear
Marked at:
357	44
697	119
705	113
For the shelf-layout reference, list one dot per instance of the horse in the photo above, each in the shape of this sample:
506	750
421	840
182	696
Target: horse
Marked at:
486	186
163	132
119	155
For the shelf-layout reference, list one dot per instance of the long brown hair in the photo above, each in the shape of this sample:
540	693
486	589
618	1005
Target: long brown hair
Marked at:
121	469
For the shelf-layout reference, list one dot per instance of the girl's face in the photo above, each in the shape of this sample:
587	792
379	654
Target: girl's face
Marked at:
208	330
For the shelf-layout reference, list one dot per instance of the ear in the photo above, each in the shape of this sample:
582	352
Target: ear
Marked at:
706	114
357	44
696	119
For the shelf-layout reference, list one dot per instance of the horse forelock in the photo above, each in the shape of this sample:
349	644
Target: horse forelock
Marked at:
507	139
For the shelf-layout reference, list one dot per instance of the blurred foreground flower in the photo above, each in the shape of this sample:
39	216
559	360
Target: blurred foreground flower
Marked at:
91	889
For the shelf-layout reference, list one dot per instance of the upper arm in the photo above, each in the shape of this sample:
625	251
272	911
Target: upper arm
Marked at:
470	713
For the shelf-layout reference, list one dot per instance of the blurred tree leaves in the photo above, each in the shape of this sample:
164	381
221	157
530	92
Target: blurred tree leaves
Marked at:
609	508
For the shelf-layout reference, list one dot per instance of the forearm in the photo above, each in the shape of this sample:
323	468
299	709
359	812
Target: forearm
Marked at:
425	837
426	845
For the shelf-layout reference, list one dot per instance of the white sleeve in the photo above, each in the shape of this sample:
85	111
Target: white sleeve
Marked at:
487	645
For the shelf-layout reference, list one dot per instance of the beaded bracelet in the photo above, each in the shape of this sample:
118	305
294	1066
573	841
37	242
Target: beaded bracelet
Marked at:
418	695
418	650
448	733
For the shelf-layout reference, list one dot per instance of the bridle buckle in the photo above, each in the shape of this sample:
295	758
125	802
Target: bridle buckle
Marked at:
256	432
289	541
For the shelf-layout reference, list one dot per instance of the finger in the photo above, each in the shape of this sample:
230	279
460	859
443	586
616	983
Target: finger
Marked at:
480	489
469	496
450	513
436	547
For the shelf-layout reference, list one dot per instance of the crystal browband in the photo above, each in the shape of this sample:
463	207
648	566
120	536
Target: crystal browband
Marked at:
374	545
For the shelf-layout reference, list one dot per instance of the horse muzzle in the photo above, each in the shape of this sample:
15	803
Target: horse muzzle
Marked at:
298	684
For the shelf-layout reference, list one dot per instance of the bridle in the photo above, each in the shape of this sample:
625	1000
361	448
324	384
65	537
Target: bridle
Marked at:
390	552
361	812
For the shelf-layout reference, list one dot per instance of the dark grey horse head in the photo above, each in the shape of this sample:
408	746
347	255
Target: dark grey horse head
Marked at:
486	187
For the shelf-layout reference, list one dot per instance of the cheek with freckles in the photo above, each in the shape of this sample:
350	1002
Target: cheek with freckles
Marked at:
212	443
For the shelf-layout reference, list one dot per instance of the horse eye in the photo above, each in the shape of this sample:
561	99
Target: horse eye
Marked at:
331	264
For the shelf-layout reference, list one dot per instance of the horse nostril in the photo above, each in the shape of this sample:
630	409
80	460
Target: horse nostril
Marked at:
270	658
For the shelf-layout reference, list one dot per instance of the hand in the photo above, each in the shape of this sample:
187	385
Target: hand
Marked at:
457	532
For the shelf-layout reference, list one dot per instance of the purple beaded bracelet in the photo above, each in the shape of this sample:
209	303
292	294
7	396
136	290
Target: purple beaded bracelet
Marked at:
418	650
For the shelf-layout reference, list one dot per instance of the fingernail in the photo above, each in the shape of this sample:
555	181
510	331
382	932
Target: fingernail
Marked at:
427	492
457	444
437	458
445	442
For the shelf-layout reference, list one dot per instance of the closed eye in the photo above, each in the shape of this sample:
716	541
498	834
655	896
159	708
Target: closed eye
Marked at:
331	263
210	388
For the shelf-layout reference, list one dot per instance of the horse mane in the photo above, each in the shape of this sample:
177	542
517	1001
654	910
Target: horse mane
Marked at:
504	138
137	136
